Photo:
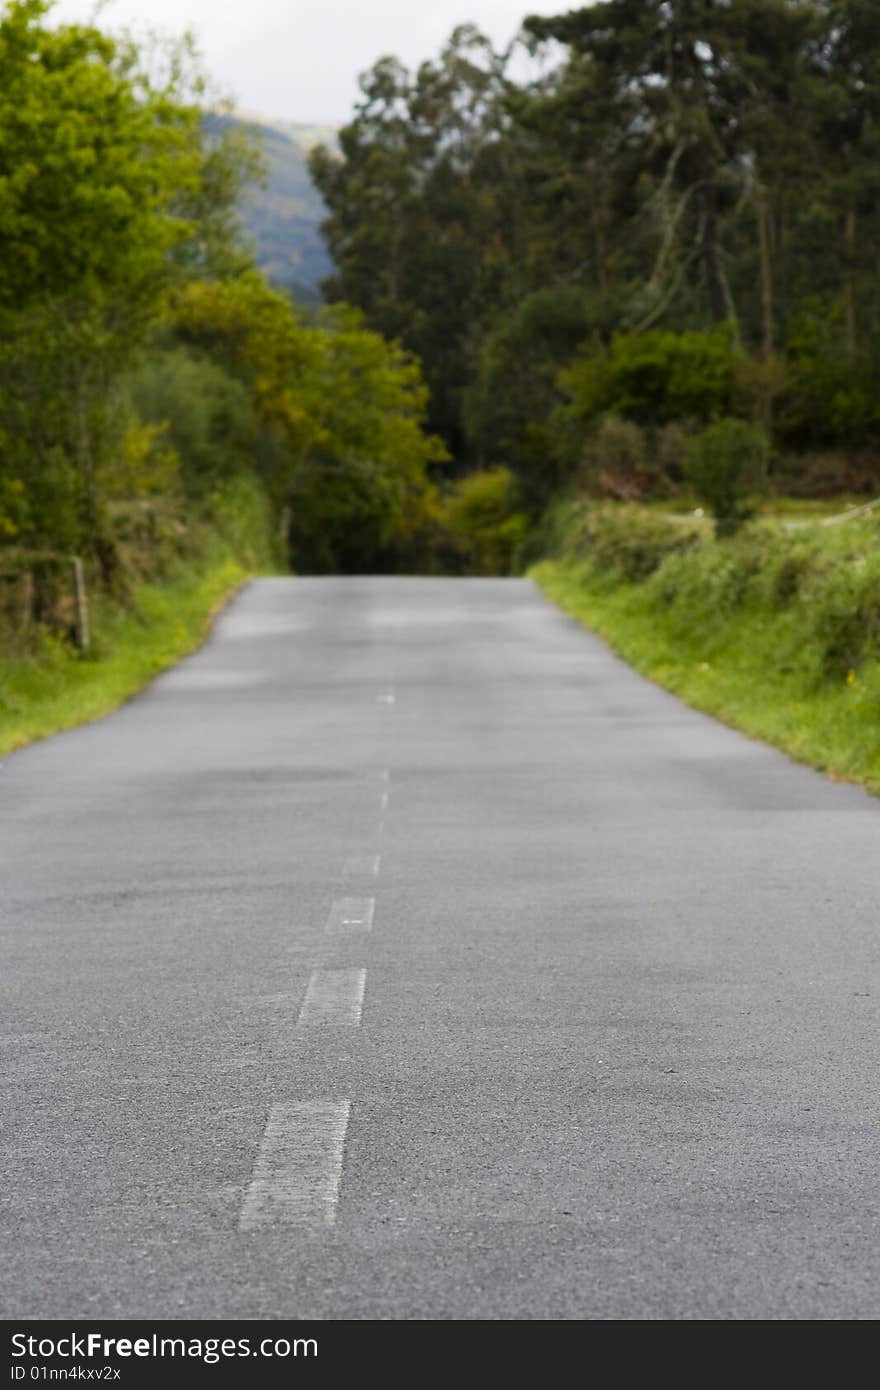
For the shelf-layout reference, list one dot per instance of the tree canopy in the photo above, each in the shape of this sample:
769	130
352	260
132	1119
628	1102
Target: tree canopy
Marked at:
675	167
141	353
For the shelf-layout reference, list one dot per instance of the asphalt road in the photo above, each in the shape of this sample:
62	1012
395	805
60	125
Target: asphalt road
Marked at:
404	955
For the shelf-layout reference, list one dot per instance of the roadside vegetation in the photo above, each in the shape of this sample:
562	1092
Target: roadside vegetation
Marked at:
177	577
776	631
613	315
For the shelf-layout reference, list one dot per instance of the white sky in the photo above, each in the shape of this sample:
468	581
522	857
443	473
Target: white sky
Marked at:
298	60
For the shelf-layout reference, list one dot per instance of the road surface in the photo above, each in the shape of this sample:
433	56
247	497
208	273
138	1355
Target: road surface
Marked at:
404	955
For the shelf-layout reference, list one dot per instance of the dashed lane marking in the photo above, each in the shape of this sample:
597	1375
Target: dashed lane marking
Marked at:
351	913
334	997
298	1169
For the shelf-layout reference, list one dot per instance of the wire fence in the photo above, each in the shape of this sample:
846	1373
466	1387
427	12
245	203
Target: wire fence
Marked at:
43	587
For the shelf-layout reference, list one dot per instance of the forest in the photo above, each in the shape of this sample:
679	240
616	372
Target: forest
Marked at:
670	224
150	377
557	268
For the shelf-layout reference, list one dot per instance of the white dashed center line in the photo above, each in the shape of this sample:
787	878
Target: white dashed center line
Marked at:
299	1166
334	997
351	914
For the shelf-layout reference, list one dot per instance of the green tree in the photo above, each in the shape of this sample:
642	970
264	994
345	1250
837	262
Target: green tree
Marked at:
679	79
194	407
509	406
103	177
416	230
654	377
346	406
484	523
846	66
93	161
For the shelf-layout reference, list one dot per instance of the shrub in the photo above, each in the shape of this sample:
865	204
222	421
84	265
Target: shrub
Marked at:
615	459
654	377
788	572
670	449
563	532
481	516
630	543
845	610
726	465
716	581
827	473
831	398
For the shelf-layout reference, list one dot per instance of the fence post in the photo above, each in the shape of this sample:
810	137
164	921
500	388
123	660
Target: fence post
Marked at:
83	639
27	602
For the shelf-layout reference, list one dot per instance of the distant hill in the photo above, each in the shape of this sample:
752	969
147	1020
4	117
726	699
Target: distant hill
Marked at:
283	218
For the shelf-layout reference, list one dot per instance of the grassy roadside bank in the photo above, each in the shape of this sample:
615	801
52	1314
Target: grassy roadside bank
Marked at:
775	633
172	593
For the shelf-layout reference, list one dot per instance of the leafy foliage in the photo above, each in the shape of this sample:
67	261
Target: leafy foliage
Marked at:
343	408
484	523
727	468
143	359
93	162
415	225
509	407
103	180
191	407
815	592
616	459
630	544
654	378
672	222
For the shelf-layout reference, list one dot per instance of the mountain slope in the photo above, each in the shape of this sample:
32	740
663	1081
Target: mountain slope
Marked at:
282	218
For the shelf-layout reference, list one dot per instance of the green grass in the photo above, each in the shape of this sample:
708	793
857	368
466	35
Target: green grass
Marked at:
776	634
179	575
53	688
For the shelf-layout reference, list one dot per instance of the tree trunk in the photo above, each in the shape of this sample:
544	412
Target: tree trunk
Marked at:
766	271
710	254
26	620
849	235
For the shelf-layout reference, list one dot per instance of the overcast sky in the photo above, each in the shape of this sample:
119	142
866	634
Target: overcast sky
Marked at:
298	60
